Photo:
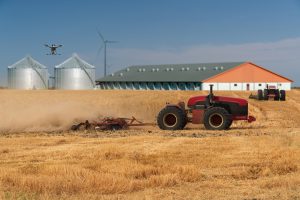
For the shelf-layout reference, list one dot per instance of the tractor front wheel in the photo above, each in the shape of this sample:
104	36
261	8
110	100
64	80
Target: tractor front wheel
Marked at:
260	96
282	95
276	97
229	124
266	94
171	118
217	118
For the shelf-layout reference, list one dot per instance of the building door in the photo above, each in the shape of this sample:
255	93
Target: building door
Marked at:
248	86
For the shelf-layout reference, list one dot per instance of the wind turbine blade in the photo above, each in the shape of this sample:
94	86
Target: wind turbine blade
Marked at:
101	36
108	41
99	50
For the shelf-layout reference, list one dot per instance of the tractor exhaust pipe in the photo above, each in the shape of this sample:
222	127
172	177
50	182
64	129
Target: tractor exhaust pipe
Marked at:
211	89
211	94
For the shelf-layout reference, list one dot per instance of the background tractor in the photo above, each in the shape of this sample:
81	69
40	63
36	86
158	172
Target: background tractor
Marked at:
270	92
215	112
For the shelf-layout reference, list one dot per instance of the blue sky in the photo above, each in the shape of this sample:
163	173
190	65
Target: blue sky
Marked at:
266	32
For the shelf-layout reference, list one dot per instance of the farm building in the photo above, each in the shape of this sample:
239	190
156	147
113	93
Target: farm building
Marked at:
224	76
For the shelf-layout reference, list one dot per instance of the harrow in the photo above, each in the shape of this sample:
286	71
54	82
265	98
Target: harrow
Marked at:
109	123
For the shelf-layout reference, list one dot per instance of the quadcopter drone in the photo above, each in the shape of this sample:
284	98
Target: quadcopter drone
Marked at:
53	48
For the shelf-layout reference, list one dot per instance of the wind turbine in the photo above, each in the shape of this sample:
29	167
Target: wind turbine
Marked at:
105	42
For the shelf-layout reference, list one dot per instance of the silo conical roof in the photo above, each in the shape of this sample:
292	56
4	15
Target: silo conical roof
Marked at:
75	62
27	62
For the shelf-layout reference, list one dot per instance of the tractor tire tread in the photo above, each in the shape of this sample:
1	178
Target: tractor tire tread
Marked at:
180	114
226	118
282	95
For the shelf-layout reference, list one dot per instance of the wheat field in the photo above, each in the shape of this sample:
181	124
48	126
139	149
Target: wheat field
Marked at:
41	159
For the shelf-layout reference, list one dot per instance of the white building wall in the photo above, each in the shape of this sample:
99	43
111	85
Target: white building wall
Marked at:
259	86
243	86
248	86
236	86
285	86
205	86
223	86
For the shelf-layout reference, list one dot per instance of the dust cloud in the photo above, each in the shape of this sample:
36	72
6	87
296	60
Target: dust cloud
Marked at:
46	117
35	111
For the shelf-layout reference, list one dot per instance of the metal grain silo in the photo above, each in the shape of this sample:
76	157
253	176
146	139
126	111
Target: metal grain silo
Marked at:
27	74
74	74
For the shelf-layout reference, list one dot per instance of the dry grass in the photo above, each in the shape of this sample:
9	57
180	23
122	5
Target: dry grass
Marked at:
250	161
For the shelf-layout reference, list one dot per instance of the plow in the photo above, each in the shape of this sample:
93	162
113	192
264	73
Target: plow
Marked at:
109	124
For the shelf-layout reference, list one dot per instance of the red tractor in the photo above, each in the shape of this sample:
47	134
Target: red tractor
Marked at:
270	92
215	112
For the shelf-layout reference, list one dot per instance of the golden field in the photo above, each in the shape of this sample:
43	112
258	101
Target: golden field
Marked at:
41	159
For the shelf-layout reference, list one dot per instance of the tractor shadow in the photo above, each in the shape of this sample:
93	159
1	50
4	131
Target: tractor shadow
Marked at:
248	128
232	128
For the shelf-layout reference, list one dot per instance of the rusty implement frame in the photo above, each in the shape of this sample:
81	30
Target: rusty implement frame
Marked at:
109	123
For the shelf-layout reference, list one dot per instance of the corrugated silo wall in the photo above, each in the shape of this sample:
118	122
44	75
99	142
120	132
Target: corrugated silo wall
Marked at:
74	78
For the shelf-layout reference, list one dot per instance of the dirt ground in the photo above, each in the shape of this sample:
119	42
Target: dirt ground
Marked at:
41	159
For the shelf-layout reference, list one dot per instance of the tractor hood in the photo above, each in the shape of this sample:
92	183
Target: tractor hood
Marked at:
198	99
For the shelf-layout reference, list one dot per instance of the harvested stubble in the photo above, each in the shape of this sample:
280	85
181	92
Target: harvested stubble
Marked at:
250	161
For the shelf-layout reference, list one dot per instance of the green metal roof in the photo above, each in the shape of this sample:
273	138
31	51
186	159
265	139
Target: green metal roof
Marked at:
169	73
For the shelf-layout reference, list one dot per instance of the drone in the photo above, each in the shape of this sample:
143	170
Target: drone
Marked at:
53	48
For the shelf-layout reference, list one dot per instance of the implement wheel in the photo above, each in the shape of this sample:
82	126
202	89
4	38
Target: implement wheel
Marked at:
171	118
217	118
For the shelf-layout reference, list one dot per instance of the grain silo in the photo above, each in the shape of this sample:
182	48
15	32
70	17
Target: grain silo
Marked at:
74	74
27	74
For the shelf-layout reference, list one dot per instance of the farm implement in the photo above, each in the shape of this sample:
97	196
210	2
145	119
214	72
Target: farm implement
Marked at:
109	123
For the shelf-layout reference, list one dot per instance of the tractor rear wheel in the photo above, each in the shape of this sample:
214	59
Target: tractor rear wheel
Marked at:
171	118
276	97
260	95
217	118
282	95
266	94
229	124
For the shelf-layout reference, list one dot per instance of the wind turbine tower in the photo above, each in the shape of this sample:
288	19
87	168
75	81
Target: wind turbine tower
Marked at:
105	42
